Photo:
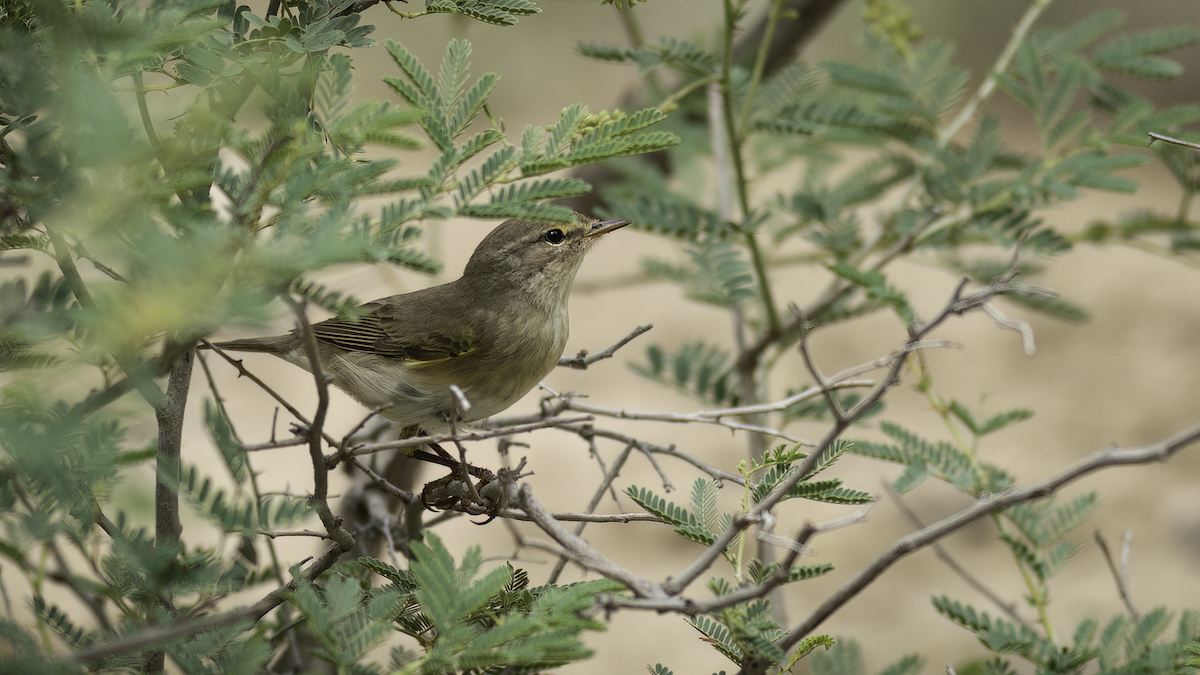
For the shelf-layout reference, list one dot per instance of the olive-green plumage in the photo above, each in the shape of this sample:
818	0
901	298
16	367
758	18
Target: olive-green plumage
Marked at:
495	332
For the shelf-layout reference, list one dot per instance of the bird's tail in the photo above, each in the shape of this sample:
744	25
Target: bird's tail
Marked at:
273	345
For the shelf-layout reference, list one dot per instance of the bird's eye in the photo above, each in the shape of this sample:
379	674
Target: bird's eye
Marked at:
555	236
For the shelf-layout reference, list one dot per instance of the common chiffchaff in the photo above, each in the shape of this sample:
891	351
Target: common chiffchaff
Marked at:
494	333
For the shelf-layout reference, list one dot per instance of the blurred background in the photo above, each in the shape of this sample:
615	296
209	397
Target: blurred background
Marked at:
1130	375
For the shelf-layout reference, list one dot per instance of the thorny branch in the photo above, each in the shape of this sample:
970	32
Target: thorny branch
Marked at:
243	372
718	416
340	536
610	474
188	626
664	597
667	595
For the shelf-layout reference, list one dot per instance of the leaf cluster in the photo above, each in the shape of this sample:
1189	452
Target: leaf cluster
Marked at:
699	369
846	658
897	105
162	220
495	12
468	622
748	628
62	465
451	103
923	459
1122	645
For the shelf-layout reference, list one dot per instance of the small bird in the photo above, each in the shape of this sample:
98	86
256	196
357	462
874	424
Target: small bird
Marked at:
494	333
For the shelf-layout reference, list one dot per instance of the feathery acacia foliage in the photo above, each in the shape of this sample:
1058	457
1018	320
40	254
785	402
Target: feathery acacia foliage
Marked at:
166	224
162	221
936	186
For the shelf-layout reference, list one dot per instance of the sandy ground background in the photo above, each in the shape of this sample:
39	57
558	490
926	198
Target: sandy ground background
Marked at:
1129	375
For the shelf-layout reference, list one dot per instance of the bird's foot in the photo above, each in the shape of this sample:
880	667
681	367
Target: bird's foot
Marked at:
489	495
452	491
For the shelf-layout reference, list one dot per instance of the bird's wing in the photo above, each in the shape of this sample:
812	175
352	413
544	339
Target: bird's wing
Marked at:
394	331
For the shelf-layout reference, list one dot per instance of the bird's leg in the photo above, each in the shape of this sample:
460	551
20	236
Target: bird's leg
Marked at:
441	493
442	453
452	417
465	470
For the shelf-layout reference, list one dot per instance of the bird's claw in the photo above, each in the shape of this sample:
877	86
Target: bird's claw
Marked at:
487	496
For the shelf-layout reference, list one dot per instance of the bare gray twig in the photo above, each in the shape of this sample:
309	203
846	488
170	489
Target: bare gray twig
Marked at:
418	441
1006	607
333	525
605	485
579	550
1120	571
582	360
242	372
576	405
1101	459
588	432
1174	141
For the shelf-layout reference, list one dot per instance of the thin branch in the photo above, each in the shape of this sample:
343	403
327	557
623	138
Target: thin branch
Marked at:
100	398
1120	572
588	432
760	64
679	418
333	525
144	111
677	583
277	568
242	372
297	533
1175	141
403	495
582	360
139	374
890	359
1020	326
580	551
602	518
1006	607
1101	459
273	445
418	441
985	89
842	380
610	475
668	486
810	365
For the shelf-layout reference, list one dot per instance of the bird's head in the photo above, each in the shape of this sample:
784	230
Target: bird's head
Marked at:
539	258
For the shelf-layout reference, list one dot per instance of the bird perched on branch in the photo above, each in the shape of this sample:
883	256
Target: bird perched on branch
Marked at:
492	335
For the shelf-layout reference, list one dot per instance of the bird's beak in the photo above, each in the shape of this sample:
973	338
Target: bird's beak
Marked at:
605	226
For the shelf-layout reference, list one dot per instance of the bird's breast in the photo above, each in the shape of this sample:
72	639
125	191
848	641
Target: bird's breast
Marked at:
524	350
